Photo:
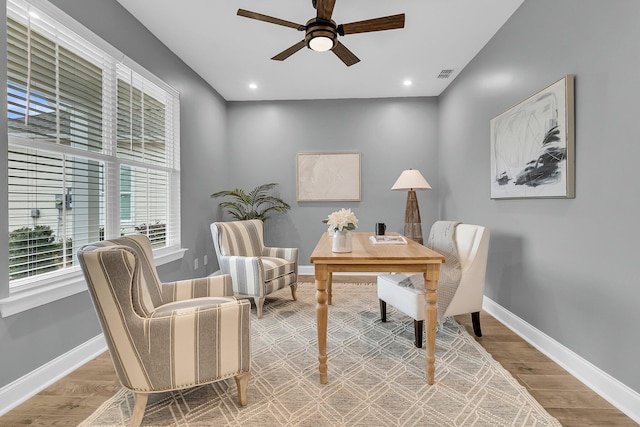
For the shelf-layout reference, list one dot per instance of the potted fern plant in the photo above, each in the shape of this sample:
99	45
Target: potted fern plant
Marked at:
256	204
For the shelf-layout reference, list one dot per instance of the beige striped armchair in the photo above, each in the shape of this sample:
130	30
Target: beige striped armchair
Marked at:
169	336
257	270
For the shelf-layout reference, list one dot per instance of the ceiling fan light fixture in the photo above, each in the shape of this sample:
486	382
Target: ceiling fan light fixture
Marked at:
320	35
321	32
321	44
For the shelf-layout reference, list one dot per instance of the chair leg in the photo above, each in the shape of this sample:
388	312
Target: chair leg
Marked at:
242	381
140	403
294	288
383	310
418	326
475	319
259	303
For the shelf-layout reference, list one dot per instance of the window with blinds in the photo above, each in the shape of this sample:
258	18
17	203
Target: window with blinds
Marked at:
93	147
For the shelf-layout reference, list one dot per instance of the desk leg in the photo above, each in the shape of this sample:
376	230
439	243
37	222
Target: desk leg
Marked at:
329	288
321	318
431	314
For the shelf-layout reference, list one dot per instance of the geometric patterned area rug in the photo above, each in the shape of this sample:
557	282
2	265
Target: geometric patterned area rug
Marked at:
376	376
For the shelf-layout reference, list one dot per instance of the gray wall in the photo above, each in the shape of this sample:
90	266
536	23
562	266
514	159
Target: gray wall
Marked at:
391	134
567	267
32	338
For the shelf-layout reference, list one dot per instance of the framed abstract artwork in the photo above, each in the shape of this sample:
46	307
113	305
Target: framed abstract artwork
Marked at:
328	177
532	146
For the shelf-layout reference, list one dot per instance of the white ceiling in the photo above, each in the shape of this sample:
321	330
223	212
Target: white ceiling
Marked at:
230	51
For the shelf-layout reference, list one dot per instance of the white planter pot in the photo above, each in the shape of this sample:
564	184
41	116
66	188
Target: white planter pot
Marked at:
341	241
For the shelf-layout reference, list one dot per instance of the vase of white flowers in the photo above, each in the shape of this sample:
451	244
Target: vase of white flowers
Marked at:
340	224
341	241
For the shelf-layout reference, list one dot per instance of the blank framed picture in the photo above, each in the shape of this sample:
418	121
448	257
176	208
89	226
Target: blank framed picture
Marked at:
328	177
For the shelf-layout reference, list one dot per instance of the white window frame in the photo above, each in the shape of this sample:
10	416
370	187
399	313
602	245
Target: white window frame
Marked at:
28	293
130	221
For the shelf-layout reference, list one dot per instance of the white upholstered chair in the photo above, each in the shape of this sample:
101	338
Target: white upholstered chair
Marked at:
256	270
406	292
165	336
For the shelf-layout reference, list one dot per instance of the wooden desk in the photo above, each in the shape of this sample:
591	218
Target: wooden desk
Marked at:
367	257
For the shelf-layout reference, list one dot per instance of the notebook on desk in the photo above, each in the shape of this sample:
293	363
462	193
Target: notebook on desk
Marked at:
388	240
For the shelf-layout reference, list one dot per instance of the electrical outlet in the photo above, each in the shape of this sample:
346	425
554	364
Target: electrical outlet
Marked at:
205	260
195	264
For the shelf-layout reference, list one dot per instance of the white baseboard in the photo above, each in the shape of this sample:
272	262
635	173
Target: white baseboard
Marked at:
612	390
23	388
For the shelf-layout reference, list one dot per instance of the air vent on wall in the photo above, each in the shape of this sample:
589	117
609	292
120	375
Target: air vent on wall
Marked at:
445	74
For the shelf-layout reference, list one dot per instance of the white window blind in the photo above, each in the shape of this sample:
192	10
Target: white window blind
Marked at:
93	147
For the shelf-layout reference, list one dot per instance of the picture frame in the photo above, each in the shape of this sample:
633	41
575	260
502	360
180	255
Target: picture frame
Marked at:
328	177
533	146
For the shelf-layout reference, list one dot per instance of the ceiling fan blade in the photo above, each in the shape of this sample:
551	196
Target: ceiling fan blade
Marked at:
378	24
289	51
270	19
345	54
325	9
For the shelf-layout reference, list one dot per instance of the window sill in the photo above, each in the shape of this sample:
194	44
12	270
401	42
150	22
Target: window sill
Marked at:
44	291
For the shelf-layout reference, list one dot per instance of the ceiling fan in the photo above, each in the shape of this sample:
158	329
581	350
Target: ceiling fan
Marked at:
321	32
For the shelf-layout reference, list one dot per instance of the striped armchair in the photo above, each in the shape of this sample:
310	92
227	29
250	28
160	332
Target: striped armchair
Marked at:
256	270
165	337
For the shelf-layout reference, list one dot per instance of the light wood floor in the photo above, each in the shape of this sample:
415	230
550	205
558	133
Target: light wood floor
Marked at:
78	395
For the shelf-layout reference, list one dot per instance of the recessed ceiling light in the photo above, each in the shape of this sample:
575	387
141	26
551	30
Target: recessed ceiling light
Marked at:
253	86
407	82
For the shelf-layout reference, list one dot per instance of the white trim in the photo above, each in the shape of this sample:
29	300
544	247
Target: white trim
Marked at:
25	387
167	255
612	390
22	298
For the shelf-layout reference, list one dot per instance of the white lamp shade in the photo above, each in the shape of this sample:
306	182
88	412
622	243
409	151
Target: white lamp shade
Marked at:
411	179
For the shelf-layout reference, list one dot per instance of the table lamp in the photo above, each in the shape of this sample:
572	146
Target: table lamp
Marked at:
411	180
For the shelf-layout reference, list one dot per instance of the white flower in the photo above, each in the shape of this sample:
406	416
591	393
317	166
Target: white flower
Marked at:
340	220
